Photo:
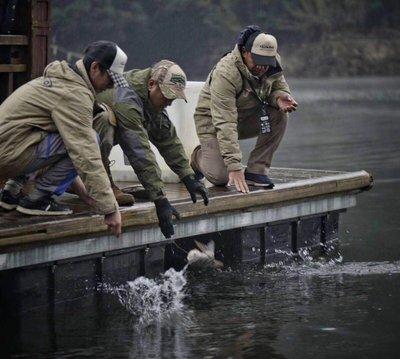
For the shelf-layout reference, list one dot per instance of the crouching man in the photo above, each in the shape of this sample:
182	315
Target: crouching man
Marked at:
244	96
47	123
135	117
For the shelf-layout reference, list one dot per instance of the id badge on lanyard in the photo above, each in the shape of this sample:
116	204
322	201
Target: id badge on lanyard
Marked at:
264	119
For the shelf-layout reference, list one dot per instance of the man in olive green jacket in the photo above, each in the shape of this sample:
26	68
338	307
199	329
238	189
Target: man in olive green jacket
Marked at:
244	96
47	123
135	117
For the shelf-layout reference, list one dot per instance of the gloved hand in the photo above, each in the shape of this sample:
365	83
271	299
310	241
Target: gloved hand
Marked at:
164	214
195	187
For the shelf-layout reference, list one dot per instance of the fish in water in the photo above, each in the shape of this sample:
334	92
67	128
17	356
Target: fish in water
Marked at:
203	257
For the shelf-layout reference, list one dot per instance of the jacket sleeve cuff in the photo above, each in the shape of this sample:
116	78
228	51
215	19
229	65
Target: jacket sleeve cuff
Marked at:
153	195
109	209
236	166
186	172
273	97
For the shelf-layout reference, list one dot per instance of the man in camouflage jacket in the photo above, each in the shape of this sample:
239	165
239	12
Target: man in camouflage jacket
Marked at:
135	117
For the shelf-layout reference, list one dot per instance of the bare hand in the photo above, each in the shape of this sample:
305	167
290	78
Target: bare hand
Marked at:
237	178
79	189
286	103
113	221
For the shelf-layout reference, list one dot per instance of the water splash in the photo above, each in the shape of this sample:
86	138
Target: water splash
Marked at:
323	267
307	262
152	300
351	268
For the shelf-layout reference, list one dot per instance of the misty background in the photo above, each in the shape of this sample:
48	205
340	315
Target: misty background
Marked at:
316	38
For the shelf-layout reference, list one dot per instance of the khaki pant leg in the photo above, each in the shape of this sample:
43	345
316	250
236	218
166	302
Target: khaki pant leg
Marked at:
208	160
106	132
261	157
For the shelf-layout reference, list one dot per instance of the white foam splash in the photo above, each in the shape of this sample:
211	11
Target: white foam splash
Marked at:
152	300
323	268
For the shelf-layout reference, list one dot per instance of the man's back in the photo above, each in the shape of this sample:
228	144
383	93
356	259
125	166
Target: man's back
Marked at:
26	115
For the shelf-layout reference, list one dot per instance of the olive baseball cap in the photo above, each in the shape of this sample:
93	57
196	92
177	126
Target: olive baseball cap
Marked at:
111	57
170	78
263	48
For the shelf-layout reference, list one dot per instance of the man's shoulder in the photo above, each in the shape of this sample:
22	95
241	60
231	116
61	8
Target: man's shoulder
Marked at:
137	79
227	66
227	70
121	96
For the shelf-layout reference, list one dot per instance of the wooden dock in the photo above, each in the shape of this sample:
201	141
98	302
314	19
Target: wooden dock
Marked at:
48	260
26	240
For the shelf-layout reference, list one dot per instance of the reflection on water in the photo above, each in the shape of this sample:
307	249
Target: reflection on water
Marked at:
343	307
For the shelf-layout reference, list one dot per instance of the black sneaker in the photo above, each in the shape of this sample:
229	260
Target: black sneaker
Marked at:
8	201
254	179
44	207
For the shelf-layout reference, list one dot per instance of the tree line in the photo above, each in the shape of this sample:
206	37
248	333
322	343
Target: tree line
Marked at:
315	37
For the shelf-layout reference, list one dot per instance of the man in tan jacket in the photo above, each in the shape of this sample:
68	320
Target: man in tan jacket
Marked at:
244	96
48	123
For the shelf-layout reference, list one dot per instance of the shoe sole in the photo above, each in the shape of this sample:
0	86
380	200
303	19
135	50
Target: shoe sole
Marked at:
8	206
39	212
251	183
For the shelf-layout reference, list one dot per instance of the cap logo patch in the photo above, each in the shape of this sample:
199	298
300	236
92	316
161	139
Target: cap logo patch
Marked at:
178	79
265	46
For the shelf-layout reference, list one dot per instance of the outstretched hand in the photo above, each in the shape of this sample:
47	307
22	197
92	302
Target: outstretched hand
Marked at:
195	187
286	103
237	178
113	222
165	211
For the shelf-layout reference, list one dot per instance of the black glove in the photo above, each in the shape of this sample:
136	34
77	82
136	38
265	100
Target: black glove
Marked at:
194	187
164	214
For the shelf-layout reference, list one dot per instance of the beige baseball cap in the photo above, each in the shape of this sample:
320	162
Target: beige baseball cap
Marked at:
171	79
263	48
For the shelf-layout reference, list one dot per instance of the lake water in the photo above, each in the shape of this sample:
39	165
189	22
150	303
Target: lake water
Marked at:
343	309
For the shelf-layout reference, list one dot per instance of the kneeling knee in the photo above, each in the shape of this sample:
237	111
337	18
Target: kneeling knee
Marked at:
217	179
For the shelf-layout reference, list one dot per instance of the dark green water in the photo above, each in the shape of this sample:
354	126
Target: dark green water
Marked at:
315	310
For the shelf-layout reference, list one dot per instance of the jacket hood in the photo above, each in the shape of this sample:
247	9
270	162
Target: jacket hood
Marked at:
138	80
62	70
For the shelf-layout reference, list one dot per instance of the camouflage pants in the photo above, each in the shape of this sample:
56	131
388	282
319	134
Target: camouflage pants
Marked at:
207	157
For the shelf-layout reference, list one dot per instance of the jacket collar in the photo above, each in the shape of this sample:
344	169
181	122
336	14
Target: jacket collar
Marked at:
82	72
138	80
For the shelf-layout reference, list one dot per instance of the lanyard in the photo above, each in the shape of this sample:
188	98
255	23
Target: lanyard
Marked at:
265	124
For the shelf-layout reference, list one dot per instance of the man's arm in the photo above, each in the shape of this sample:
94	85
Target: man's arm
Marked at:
279	88
73	118
280	96
134	141
165	138
224	117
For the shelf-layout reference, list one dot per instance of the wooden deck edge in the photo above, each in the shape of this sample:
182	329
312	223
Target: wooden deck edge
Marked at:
76	226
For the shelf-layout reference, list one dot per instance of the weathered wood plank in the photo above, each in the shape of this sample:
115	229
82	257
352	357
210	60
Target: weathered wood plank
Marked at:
12	67
143	214
14	40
